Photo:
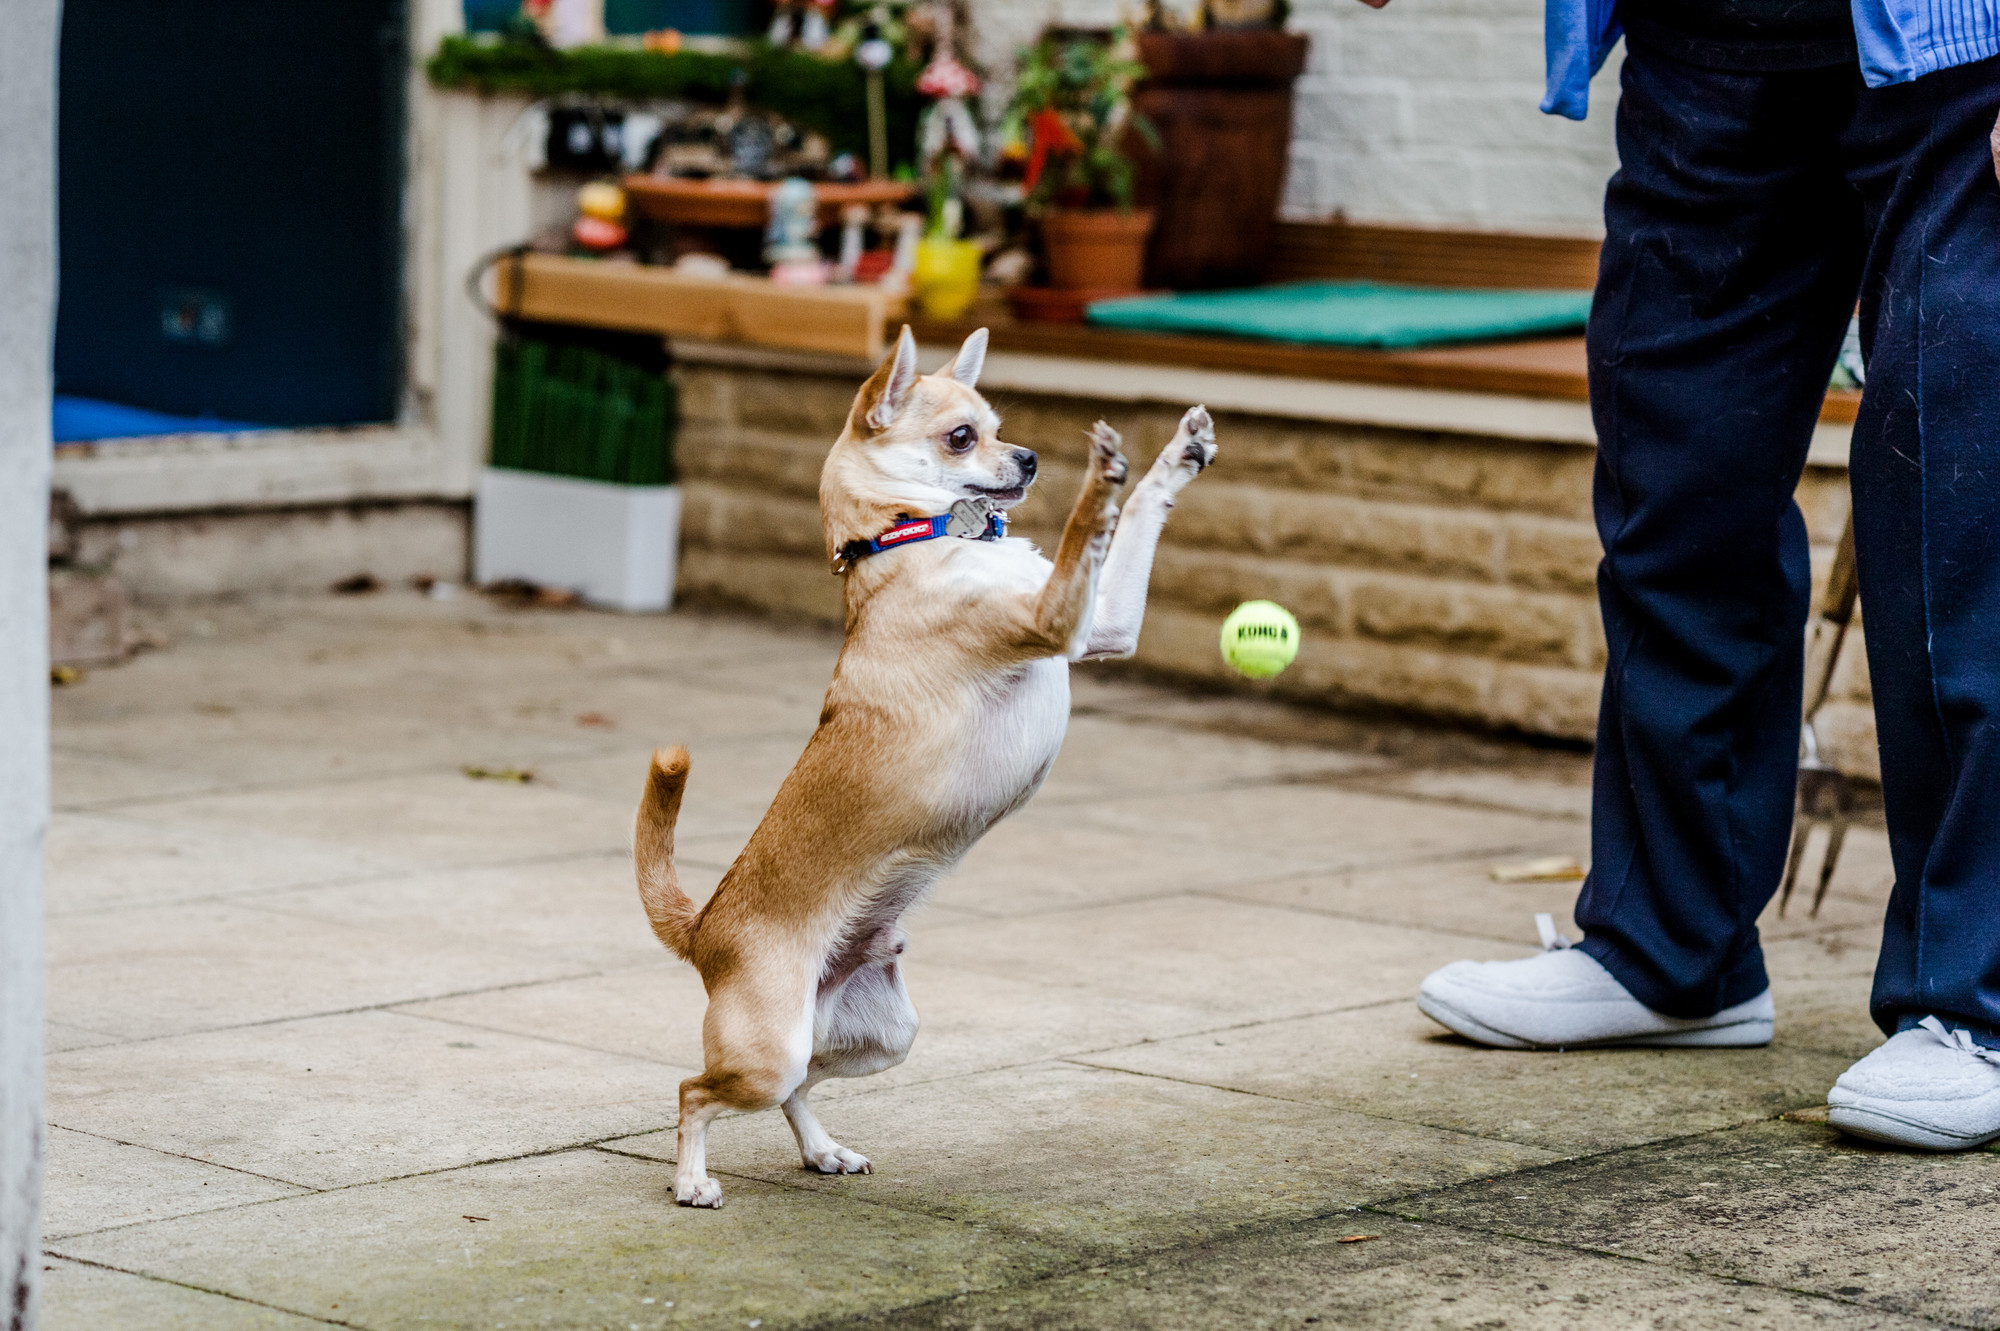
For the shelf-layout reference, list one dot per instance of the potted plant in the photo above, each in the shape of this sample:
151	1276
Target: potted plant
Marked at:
1070	117
579	492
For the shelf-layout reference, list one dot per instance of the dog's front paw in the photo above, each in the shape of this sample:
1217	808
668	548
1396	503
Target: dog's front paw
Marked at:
699	1192
838	1159
1191	450
1105	454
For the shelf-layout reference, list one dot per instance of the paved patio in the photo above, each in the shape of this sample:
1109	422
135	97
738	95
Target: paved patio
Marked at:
343	1035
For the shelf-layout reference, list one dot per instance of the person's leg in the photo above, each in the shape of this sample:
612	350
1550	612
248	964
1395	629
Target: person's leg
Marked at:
1926	475
1730	265
1729	268
1927	526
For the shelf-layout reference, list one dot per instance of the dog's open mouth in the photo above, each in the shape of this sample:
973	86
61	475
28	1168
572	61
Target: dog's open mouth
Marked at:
1003	498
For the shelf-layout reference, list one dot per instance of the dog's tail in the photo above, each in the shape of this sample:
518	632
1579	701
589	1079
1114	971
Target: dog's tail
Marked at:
667	906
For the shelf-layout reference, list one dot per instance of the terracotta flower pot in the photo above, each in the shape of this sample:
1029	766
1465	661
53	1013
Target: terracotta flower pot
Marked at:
1101	249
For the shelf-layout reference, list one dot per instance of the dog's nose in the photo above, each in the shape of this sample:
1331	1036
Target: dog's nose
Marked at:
1025	459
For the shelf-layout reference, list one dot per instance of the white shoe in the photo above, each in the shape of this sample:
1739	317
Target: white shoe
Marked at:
1928	1088
1563	999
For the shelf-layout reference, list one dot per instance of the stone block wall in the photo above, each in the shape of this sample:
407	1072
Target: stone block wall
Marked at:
1442	574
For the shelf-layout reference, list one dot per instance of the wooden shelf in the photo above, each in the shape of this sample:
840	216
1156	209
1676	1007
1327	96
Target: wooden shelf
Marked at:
841	321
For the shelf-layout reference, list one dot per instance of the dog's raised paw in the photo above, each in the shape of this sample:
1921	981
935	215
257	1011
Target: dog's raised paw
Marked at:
707	1192
1197	434
1104	451
840	1160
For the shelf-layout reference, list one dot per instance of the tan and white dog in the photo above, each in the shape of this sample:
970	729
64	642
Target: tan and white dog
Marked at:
947	706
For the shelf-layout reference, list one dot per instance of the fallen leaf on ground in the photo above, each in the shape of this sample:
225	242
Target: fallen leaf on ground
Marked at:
64	675
518	775
1548	869
597	721
520	593
1360	1238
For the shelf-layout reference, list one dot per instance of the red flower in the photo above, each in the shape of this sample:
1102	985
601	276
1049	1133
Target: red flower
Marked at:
1050	134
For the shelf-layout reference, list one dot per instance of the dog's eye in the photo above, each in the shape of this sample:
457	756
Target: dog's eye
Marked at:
961	439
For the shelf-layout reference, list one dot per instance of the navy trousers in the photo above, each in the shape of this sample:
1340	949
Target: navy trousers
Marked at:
1749	211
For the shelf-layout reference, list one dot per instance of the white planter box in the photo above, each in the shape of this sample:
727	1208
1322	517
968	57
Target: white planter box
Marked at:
615	545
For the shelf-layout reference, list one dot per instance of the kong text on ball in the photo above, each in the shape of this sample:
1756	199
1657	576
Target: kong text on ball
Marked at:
1260	638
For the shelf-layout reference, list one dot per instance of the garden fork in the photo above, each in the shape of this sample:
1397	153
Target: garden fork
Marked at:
1826	795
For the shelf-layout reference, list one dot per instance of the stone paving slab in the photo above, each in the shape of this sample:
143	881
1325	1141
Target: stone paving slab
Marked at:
1233	962
96	1183
1793	1205
1403	1276
971	1021
435	819
580	911
194	966
1128	755
1315	826
1044	860
1393	1061
108	861
80	780
77	1296
1103	1162
730	781
337	1100
1482	788
1420	895
575	1239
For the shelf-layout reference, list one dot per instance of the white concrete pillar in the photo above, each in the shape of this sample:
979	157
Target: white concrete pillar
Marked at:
27	322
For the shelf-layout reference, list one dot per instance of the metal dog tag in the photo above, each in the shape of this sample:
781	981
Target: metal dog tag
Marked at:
970	518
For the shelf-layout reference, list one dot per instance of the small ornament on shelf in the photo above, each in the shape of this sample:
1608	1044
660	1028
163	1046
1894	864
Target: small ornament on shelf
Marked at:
791	241
600	224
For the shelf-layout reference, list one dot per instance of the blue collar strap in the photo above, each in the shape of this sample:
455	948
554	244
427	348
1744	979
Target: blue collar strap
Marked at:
970	519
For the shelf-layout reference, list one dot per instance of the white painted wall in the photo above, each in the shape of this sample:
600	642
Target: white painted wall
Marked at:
1423	112
27	323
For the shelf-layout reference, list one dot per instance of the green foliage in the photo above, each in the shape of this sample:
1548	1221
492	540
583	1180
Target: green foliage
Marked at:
813	93
575	411
1086	83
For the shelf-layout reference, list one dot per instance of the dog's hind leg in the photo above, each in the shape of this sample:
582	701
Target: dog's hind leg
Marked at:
757	1038
816	1146
699	1106
1128	567
864	1025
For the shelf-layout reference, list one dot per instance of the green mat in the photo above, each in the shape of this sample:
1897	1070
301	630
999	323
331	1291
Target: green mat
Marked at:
1351	314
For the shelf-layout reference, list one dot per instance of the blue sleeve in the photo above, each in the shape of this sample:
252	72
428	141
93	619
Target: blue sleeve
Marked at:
1578	35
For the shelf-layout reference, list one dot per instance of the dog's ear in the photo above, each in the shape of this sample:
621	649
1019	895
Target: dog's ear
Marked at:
971	357
887	391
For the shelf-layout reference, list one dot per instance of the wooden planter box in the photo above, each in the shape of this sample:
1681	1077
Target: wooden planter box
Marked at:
1222	102
614	545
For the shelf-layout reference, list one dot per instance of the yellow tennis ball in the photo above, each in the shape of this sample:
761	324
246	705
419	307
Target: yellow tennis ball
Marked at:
1260	638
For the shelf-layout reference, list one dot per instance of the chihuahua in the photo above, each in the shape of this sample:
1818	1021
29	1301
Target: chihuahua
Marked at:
948	703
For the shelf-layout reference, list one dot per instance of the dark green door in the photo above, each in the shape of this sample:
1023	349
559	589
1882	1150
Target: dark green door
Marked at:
231	198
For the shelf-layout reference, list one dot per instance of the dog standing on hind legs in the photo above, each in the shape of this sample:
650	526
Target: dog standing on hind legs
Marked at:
948	703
